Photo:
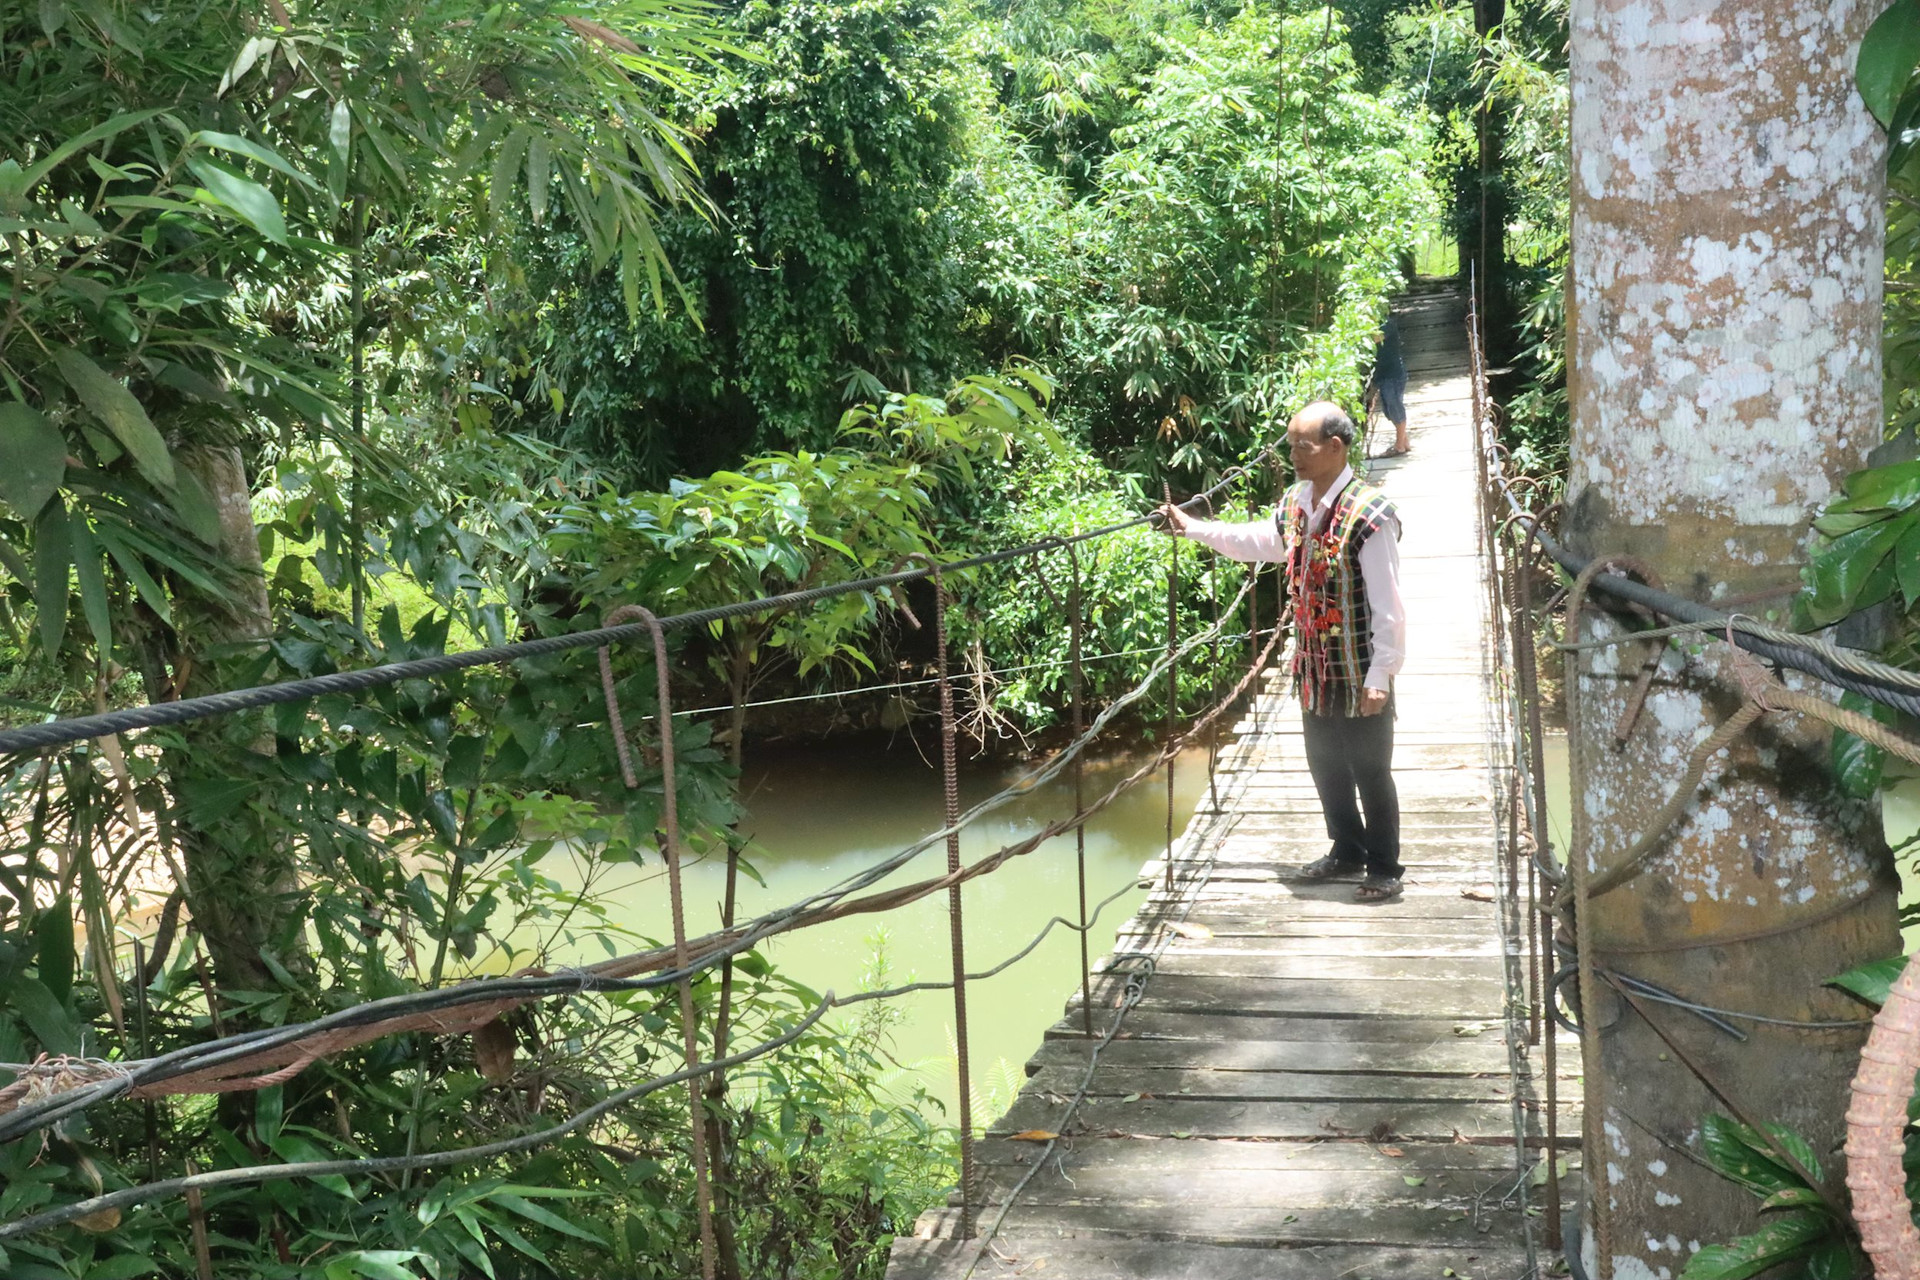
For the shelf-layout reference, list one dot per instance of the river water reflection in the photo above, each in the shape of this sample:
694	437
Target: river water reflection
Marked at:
819	815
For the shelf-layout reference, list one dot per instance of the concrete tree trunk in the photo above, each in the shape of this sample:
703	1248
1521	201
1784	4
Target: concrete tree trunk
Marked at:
1725	376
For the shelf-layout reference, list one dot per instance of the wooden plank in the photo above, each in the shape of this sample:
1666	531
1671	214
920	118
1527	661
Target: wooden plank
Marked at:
1202	1084
1332	997
1109	1259
1260	934
1124	1155
1342	966
1320	901
1212	1028
1431	1222
1453	1055
1294	1189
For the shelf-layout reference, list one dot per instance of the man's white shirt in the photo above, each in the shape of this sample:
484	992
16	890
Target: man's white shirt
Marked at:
1261	540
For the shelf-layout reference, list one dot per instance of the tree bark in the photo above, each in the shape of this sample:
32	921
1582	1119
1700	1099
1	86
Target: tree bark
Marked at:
239	889
1724	344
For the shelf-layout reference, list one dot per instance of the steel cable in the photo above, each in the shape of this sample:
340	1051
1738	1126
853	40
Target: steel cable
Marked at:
397	1164
56	733
227	1051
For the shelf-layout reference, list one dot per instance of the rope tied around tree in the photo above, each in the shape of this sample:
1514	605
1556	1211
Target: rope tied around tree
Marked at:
1884	1084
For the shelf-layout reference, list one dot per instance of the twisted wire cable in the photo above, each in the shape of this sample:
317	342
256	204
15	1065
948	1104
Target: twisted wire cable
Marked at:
55	733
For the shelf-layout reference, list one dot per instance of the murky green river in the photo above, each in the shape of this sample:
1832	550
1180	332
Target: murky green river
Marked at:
821	815
818	816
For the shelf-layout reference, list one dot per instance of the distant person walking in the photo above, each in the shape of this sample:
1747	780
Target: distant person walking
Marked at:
1339	540
1387	388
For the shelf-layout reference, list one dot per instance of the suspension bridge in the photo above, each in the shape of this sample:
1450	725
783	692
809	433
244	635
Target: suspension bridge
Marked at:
1277	1081
1264	1077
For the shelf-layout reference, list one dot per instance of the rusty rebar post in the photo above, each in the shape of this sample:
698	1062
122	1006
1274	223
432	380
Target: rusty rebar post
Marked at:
670	848
717	1135
1253	642
1173	683
1076	626
1213	683
1526	659
1522	820
950	779
1550	1030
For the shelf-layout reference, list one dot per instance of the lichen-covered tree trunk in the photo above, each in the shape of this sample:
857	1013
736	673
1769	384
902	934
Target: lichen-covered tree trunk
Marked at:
1725	376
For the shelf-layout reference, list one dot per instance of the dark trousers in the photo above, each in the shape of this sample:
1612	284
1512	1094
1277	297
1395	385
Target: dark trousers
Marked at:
1351	759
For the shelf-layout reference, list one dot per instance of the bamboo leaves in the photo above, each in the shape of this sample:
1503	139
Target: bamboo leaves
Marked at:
245	199
109	401
33	458
52	561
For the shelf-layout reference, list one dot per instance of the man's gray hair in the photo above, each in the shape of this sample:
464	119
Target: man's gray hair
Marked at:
1335	424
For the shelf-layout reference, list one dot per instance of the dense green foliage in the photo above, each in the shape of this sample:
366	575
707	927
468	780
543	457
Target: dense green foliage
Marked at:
340	334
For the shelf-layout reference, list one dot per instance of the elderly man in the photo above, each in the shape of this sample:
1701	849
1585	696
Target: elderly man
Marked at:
1338	538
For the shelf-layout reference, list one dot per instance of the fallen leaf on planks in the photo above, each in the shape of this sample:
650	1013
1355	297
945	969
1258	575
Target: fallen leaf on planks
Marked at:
1198	932
1477	895
1033	1135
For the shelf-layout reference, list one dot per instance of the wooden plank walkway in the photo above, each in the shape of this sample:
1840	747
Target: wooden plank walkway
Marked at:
1309	1087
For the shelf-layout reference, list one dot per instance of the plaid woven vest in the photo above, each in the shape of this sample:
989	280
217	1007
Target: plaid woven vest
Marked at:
1332	627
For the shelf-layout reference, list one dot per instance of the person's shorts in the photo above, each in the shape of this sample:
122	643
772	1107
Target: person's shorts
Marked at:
1393	400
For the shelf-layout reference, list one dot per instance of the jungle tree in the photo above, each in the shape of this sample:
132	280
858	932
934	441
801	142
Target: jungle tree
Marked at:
1725	376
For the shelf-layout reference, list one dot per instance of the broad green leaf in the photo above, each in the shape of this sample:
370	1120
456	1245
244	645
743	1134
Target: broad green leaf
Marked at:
172	290
122	1266
1906	567
184	378
545	1217
15	563
506	164
233	144
269	1110
375	1264
1871	982
340	130
33	458
52	565
1858	764
1793	1198
51	1024
1880	488
252	203
80	142
130	564
1786	1237
13	187
539	174
1830	1260
196	508
209	801
244	61
53	949
1729	1150
383	146
1852	572
93	584
518	1241
340	152
1888	56
108	399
